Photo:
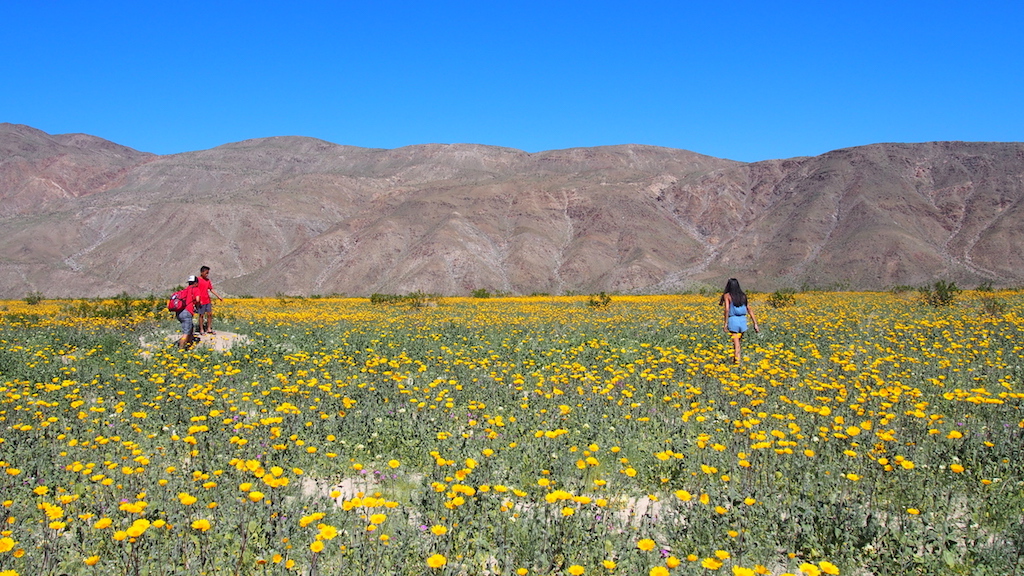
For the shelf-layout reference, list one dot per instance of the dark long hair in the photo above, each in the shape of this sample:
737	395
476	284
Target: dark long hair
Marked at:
736	294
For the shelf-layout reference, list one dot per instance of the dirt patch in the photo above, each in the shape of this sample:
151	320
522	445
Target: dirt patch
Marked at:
220	341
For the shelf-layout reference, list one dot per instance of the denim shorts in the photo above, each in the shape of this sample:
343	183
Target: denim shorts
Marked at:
185	317
204	308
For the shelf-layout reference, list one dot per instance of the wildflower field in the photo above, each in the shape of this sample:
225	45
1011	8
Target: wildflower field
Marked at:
865	433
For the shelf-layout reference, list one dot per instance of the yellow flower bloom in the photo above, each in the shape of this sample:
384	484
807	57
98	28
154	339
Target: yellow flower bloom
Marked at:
327	532
711	563
828	568
437	561
646	544
810	569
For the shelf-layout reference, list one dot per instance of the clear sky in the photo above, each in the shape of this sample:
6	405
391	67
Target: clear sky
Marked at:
746	80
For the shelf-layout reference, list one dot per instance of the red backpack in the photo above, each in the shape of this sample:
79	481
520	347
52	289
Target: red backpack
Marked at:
178	301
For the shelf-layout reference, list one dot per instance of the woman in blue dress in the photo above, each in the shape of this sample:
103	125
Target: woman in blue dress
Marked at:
736	308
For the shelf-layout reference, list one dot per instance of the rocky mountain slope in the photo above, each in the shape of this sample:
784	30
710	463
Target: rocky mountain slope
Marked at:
80	216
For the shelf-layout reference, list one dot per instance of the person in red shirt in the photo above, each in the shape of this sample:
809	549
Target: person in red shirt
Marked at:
205	310
191	297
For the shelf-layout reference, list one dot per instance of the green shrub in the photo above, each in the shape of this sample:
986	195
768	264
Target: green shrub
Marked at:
481	293
600	300
121	306
416	299
782	298
940	293
33	298
992	306
378	298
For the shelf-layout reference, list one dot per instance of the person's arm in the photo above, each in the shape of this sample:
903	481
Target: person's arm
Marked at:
214	292
750	312
725	311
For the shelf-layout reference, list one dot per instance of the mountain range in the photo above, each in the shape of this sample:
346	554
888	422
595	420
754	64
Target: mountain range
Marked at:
82	216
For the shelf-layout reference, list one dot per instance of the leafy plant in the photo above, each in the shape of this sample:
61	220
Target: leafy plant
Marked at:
33	298
782	298
992	306
600	300
481	293
940	293
121	306
416	299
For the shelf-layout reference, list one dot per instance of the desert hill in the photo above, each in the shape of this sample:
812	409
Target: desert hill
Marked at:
82	216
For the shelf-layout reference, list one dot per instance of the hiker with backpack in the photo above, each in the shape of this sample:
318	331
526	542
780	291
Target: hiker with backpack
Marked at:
183	303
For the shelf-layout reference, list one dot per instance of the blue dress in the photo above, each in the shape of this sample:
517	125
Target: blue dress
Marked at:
737	319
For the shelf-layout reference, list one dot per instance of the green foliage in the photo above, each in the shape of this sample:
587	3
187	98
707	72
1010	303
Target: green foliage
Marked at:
901	288
782	298
985	287
33	298
416	299
600	300
121	306
704	290
940	293
992	306
481	293
285	299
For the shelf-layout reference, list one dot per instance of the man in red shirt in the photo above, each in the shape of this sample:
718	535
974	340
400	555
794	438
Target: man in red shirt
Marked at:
205	310
191	297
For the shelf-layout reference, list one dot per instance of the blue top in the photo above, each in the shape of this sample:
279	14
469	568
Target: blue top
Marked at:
737	318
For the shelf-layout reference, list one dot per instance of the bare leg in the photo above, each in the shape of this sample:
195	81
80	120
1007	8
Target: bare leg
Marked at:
737	353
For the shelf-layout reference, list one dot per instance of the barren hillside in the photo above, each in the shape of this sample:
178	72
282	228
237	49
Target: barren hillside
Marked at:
83	216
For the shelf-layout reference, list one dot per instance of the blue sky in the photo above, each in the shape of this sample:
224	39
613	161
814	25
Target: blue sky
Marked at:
742	80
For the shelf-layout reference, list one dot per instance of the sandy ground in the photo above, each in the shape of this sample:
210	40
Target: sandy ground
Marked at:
220	341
